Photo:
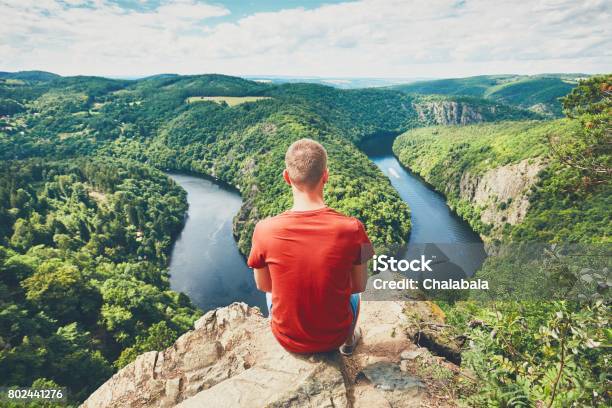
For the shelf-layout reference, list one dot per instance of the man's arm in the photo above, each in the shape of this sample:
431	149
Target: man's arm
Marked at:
262	279
359	278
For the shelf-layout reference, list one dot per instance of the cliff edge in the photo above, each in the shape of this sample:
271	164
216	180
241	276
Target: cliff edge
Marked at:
231	359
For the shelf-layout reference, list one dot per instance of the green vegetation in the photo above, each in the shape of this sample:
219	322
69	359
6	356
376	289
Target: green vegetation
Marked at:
87	218
149	121
553	354
525	351
86	230
83	268
30	76
558	211
588	150
539	93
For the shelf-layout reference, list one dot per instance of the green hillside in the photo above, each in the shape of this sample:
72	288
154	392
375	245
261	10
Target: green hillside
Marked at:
542	332
472	86
32	76
558	212
151	120
538	93
566	199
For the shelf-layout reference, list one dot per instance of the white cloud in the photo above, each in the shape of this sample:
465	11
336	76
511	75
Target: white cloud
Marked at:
360	38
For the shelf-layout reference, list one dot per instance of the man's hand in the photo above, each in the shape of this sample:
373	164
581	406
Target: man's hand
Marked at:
359	278
262	279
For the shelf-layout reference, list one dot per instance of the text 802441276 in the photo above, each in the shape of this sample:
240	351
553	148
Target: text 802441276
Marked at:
12	394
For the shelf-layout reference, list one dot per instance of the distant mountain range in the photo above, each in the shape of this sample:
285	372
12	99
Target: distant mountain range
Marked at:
29	75
337	82
538	93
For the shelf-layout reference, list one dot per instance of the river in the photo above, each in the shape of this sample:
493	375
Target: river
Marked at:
435	229
206	265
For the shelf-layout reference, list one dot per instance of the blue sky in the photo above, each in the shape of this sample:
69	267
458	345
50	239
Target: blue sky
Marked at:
238	8
333	38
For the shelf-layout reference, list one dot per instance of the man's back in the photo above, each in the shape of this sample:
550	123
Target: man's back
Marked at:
310	255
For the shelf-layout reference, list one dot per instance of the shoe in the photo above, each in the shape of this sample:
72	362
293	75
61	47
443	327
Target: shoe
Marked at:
347	349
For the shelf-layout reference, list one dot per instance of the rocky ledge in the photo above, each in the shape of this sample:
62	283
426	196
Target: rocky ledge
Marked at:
231	359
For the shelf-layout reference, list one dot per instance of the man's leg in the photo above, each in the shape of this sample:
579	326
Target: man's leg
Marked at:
355	302
269	304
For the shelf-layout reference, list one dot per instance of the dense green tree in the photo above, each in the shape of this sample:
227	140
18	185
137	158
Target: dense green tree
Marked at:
71	268
158	337
588	149
61	291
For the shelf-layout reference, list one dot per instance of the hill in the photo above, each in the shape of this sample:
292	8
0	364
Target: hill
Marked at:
336	82
32	76
538	93
152	120
499	177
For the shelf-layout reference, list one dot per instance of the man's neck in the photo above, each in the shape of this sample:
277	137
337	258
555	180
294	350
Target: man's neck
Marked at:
307	201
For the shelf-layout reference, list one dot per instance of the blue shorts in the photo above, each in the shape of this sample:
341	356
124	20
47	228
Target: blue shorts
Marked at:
354	301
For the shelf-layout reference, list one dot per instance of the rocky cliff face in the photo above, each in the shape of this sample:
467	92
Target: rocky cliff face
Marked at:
502	193
450	112
231	359
464	111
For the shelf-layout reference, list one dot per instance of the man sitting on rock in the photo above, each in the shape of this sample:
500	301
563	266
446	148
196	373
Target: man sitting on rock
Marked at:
311	261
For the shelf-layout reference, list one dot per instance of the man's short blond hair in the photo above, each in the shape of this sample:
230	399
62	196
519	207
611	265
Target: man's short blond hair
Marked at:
306	161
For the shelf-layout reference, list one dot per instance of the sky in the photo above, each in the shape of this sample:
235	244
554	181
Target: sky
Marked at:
364	38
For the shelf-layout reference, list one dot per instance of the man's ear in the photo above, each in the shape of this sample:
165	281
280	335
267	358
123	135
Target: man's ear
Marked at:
325	175
286	177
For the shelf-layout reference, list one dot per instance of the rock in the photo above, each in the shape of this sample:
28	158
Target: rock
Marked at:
375	366
411	354
428	331
388	376
449	112
231	359
279	379
502	193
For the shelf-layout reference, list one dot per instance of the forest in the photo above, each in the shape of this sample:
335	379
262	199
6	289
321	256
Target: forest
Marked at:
88	216
82	269
543	334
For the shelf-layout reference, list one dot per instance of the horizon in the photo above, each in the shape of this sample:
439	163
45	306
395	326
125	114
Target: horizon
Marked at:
303	38
284	76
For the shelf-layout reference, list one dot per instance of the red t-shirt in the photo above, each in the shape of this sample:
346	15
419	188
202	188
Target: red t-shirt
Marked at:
310	256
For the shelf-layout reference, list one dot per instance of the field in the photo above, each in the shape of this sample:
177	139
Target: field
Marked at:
230	100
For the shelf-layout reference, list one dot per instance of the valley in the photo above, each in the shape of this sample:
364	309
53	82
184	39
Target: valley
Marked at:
96	246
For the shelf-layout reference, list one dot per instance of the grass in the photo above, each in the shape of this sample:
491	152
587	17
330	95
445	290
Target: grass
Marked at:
14	82
230	100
